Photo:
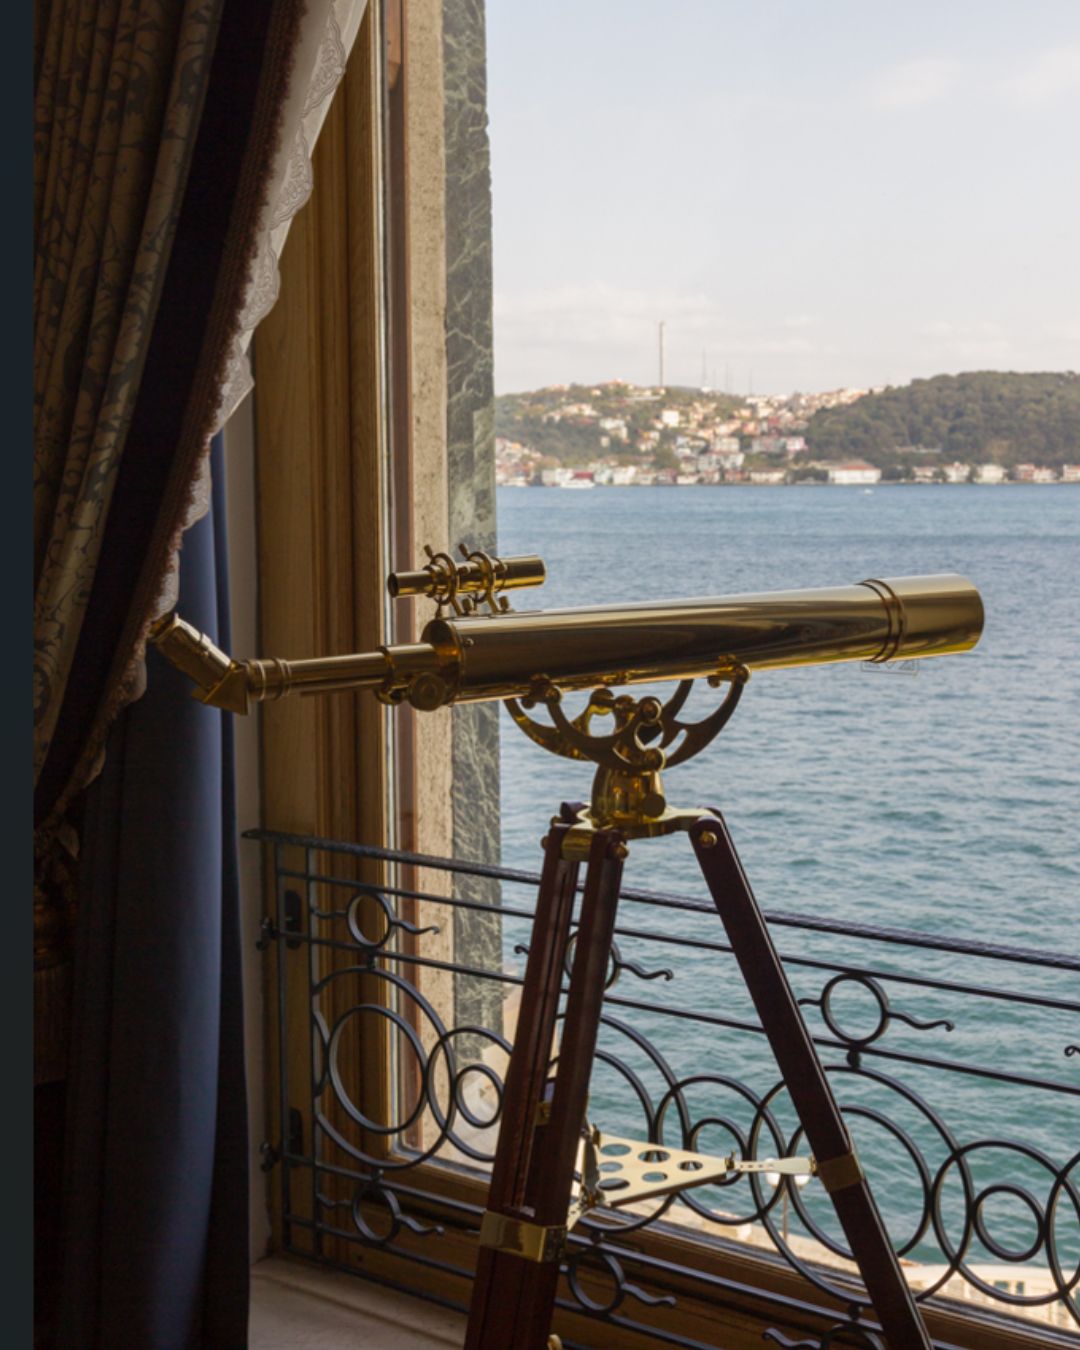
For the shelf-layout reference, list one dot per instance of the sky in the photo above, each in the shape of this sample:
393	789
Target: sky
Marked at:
809	193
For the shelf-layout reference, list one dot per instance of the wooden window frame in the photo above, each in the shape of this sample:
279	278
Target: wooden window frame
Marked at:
350	479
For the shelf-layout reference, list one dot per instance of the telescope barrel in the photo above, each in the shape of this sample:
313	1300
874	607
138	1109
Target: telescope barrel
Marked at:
482	657
895	619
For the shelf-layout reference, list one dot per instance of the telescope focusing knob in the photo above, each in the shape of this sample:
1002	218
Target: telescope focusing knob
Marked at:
428	692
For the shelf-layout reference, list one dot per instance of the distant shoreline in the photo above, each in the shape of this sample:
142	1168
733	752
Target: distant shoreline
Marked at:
846	487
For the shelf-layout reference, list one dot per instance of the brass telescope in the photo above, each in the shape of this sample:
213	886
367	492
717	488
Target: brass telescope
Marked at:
467	656
547	1172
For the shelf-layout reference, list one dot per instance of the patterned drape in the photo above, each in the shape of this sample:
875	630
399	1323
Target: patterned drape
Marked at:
172	147
119	87
156	127
165	138
119	90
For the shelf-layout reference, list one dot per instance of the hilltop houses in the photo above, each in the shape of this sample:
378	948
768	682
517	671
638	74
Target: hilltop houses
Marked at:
619	435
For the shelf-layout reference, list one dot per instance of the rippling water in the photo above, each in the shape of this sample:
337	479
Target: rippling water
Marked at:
946	802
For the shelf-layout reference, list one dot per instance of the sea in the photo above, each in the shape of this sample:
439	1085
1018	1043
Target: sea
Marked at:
940	797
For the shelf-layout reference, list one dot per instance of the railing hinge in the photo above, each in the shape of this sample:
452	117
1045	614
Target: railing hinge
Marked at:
294	923
294	917
294	1143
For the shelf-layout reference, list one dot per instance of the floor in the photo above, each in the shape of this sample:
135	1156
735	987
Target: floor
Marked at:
299	1307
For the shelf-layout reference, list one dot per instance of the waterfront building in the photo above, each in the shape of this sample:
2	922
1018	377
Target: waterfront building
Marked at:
855	473
989	473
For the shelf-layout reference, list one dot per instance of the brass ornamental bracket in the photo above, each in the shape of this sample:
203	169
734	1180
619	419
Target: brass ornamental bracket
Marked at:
628	792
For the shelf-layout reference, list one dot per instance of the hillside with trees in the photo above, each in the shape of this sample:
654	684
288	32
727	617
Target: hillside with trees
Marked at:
985	416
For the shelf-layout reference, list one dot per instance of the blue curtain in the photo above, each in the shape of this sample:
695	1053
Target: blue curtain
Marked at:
156	1226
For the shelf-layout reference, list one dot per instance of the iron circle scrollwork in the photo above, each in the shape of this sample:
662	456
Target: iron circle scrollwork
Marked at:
1042	1215
745	1141
617	963
988	1221
928	1216
885	1012
354	919
989	1241
1064	1287
401	1024
863	1337
918	1162
456	1104
611	1268
334	1076
609	1265
372	1192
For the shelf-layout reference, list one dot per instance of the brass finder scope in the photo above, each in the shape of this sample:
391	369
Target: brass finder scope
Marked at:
477	649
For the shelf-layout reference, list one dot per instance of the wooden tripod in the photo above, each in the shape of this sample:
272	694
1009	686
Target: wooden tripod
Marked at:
531	1202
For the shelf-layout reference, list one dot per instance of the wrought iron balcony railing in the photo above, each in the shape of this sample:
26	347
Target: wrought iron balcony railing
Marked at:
957	1063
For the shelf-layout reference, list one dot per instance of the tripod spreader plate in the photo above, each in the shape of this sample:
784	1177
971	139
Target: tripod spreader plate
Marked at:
617	1172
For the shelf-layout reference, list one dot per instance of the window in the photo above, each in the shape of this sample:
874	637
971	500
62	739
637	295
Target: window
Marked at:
373	424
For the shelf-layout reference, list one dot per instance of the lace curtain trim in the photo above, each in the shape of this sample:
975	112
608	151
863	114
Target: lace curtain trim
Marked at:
329	30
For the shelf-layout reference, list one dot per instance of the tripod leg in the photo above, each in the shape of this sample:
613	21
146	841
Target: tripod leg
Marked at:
557	1149
514	1307
495	1289
801	1069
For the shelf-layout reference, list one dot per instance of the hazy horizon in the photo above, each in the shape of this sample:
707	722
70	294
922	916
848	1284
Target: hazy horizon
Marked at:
810	197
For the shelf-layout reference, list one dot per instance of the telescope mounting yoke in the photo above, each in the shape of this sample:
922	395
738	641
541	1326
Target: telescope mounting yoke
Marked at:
628	792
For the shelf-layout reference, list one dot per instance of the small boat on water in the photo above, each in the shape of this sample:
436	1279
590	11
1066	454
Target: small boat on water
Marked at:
578	483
